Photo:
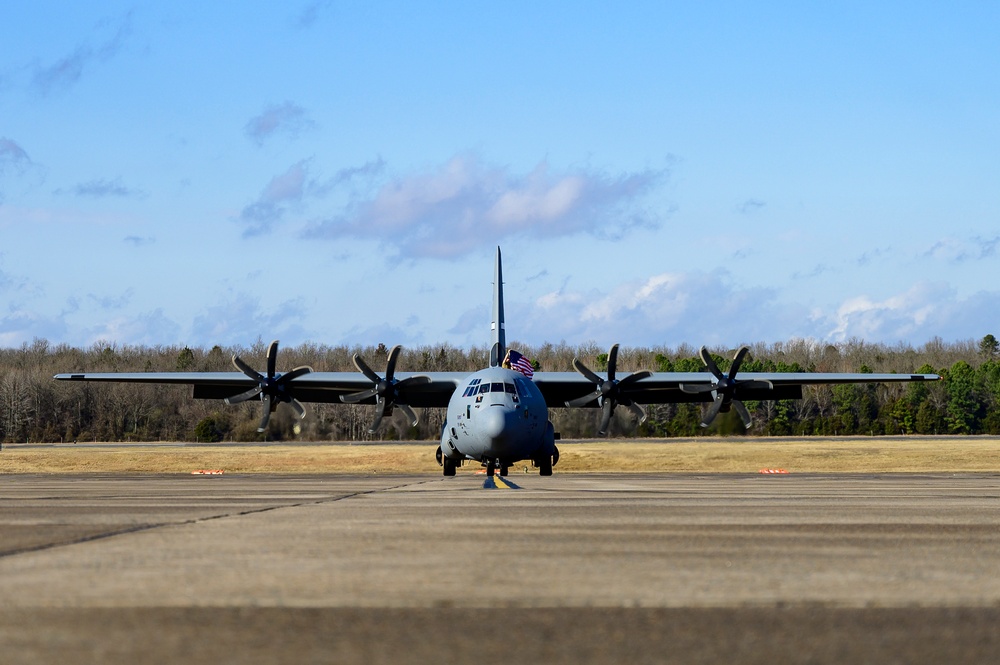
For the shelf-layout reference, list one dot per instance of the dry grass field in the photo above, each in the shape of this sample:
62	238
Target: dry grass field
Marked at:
701	455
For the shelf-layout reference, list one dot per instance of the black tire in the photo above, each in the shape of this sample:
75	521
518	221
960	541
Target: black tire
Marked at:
491	469
545	466
504	469
449	466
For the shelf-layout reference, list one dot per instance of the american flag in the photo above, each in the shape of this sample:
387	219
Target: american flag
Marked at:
519	363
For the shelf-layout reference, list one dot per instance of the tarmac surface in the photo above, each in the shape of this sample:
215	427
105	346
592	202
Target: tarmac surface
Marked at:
573	568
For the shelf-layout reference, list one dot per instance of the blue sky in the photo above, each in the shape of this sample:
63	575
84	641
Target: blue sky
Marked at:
341	172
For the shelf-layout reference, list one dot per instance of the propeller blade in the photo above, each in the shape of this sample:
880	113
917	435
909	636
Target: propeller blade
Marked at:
706	358
586	399
608	409
390	363
612	361
713	411
632	378
378	421
410	382
583	369
639	412
272	358
294	374
300	409
365	369
247	369
738	361
266	418
408	412
354	398
242	397
744	414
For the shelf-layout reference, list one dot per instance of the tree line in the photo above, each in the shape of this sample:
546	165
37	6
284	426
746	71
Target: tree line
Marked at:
35	408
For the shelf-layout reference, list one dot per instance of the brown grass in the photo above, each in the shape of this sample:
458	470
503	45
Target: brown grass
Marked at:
702	455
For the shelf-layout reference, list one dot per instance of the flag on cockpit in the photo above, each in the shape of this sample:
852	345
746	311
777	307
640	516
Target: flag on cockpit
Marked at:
519	363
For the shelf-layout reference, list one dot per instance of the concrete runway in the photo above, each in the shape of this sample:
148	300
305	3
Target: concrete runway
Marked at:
573	568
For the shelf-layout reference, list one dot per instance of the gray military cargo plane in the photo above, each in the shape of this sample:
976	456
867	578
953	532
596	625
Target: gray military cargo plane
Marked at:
496	416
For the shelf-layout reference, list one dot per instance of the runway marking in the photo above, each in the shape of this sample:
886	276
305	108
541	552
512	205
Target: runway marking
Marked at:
498	483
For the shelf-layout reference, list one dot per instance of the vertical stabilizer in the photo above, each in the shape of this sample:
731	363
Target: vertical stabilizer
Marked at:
498	337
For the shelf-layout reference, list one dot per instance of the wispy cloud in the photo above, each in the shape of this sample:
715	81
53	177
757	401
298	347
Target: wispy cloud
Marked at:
103	188
112	302
873	255
287	118
66	71
13	158
311	13
465	203
818	269
291	188
240	318
750	206
151	328
956	250
283	190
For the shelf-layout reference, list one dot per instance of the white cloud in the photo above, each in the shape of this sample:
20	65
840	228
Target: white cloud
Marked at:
465	204
923	311
710	308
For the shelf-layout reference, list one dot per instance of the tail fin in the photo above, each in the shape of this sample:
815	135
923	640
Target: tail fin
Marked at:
498	341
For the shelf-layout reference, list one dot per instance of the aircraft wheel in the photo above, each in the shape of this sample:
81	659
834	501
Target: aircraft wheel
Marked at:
504	469
545	466
449	466
491	469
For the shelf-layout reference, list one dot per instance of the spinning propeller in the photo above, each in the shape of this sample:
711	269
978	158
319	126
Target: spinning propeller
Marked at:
610	392
726	387
272	389
387	391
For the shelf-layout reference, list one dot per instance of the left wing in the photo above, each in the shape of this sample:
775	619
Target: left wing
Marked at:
311	387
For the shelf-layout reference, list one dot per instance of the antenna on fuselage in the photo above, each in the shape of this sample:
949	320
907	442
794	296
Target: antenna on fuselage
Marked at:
498	341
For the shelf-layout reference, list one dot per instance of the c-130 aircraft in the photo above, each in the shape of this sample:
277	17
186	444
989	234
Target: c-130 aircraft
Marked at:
497	416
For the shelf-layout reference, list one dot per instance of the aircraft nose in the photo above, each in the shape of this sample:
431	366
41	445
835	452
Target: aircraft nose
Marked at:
494	422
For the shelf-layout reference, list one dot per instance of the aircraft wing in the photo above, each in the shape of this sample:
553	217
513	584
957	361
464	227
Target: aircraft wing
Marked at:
434	389
431	389
672	387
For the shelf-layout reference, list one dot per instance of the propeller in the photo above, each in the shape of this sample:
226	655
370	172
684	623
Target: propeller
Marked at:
272	389
610	392
387	391
725	387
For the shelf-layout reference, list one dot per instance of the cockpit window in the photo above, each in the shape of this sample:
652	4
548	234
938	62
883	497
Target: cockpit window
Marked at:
496	387
509	388
485	388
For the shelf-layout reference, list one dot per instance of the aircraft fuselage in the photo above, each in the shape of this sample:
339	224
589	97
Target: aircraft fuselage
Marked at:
498	417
